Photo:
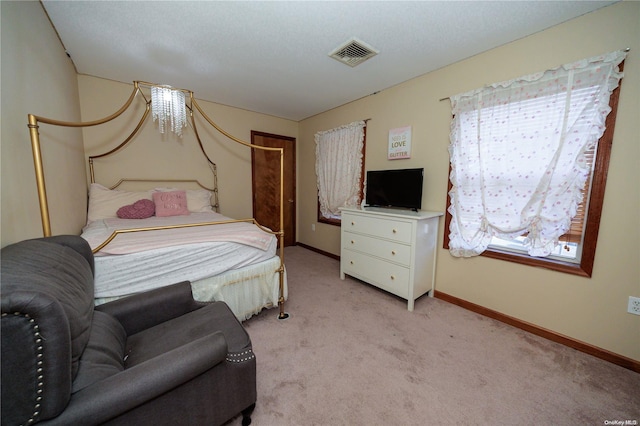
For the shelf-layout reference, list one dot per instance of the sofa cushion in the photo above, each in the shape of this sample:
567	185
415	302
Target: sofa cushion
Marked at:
177	332
104	354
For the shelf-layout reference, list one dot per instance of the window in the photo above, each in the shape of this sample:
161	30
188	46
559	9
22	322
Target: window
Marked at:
529	159
339	169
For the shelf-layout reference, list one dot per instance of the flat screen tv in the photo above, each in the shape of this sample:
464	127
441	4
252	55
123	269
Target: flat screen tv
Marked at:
400	188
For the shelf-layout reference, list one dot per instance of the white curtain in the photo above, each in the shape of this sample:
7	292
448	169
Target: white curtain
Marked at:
517	154
338	167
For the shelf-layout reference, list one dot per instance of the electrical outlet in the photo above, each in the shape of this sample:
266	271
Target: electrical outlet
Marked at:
313	226
634	305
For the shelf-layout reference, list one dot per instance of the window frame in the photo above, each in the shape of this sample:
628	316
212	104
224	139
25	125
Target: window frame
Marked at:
594	209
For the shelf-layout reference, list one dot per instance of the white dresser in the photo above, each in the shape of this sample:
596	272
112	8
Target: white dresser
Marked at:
394	250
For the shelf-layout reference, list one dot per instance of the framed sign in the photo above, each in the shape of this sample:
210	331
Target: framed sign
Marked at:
399	143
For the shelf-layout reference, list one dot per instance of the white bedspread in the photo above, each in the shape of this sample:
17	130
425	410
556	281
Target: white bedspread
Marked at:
132	242
173	258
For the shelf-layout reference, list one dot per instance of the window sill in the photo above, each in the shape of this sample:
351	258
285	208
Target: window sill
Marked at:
329	221
552	264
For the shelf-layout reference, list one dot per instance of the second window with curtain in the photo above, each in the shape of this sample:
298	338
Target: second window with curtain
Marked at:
339	168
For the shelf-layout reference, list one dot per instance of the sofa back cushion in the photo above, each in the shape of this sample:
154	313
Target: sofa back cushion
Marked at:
47	310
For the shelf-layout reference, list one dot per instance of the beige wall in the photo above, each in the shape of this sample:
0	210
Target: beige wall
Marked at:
38	78
590	310
153	155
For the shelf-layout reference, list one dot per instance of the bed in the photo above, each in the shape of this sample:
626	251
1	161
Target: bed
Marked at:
185	238
232	261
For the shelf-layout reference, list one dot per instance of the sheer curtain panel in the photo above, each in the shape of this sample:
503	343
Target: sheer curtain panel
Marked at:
519	154
338	167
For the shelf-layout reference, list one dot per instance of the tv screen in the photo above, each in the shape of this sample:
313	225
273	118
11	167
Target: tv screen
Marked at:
395	188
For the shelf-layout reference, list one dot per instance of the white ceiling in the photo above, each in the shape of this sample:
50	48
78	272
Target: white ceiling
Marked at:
272	57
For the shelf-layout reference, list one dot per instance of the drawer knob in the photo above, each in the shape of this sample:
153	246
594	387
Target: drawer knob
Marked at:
393	252
395	231
353	242
353	223
351	262
392	277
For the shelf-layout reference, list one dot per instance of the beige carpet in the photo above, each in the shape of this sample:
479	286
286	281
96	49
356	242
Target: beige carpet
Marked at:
351	354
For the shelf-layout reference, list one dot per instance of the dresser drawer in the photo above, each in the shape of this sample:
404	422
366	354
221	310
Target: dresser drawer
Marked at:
391	229
385	275
388	250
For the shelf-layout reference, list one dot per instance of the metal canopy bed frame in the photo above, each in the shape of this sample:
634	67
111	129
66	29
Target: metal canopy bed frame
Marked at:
191	106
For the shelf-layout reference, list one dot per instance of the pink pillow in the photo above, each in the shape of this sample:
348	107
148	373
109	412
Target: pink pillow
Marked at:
141	209
173	203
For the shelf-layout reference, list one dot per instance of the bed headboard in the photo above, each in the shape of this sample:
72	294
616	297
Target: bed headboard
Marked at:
143	184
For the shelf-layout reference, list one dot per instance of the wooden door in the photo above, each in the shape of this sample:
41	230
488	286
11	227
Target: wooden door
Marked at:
265	167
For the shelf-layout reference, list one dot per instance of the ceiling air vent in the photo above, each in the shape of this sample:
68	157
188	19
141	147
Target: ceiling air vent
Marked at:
353	52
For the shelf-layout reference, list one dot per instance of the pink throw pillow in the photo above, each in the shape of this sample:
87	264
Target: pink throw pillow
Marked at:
141	209
173	203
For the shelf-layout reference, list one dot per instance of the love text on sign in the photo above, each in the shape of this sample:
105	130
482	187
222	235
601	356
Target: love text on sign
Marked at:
399	143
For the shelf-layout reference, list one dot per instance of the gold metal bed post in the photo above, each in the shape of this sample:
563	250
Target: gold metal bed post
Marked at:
37	164
280	233
42	192
37	153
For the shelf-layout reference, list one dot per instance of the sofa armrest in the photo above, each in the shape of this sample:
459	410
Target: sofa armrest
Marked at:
130	388
145	310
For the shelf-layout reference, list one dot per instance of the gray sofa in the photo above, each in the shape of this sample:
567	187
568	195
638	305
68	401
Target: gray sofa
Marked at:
151	359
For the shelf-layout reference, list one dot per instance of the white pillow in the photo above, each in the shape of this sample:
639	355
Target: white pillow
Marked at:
198	200
105	202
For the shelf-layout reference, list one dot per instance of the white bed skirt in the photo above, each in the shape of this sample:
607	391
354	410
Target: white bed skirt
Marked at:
247	291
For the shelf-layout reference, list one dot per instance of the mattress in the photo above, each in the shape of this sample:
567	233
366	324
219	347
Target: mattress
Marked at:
121	275
247	290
